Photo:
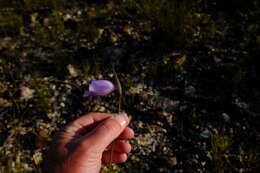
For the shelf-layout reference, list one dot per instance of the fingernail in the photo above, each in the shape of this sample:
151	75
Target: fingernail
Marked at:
122	120
123	113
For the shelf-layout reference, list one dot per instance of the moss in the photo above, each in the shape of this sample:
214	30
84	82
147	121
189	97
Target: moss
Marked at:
220	145
10	23
114	168
250	157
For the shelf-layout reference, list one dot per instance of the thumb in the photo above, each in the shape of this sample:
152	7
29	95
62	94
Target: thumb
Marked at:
106	132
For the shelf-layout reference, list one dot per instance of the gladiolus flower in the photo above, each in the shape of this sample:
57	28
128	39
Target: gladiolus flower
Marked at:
99	88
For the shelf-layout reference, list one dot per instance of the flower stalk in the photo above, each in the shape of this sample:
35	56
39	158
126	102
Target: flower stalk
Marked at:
119	89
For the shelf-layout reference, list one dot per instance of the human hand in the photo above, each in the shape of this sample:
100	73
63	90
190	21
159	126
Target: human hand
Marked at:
84	145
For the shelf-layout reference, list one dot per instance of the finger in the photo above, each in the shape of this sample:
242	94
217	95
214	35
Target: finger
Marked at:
128	133
116	157
106	132
82	124
120	146
90	118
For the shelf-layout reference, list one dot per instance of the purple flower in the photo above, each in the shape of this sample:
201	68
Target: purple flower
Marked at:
99	88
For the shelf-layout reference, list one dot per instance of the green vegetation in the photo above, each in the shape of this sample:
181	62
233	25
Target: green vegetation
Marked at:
170	22
220	148
10	23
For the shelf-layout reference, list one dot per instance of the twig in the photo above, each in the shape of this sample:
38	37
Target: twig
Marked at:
14	101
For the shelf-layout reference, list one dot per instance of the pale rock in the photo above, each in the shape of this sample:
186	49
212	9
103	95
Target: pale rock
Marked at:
72	70
52	115
205	133
26	93
225	117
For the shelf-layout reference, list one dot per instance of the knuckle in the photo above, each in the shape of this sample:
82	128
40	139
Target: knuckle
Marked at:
111	126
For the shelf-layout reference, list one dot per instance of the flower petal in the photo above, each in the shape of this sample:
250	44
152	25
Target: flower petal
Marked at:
99	88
